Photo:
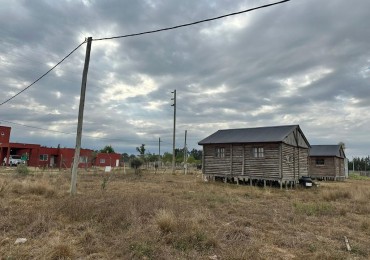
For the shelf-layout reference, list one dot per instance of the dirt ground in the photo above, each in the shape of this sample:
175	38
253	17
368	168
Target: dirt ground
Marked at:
164	216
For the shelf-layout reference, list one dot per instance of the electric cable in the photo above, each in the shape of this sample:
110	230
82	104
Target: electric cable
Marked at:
191	23
43	75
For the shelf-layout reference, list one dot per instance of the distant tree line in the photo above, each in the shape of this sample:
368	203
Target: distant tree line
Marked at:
361	164
144	157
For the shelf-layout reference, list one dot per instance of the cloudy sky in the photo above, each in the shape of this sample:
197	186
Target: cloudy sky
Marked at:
303	62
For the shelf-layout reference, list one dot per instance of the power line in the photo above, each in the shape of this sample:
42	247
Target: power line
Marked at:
43	75
191	23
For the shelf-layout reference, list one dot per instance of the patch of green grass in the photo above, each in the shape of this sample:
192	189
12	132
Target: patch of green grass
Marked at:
354	176
22	170
313	208
142	250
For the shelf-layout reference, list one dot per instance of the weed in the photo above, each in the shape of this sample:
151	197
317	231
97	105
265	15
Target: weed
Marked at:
22	170
354	176
3	187
365	225
336	195
313	208
60	251
166	220
142	250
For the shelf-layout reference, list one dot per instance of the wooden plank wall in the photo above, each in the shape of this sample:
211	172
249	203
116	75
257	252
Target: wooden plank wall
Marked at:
262	168
214	165
243	162
326	170
294	162
240	161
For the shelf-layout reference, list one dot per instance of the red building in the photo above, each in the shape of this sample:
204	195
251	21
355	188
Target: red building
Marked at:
41	156
108	159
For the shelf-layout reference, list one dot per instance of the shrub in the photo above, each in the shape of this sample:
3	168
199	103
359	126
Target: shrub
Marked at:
313	209
136	163
22	170
166	221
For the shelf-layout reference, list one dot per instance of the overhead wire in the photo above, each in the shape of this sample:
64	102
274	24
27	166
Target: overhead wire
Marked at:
125	36
142	33
191	23
43	75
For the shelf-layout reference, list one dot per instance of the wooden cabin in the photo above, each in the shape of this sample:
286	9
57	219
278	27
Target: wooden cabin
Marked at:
277	154
327	162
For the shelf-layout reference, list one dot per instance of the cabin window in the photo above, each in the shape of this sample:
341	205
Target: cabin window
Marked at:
220	152
320	161
43	157
102	161
258	152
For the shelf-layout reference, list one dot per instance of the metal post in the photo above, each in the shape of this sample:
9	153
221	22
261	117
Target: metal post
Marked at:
80	119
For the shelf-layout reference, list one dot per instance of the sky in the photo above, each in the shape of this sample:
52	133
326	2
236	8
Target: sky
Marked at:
304	62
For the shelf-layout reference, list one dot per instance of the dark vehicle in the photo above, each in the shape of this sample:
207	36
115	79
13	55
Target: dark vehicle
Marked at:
306	181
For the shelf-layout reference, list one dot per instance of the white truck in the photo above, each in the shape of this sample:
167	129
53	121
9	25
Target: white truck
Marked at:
14	160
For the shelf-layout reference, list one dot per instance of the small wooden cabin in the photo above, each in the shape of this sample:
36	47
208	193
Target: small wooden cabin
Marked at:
327	162
268	154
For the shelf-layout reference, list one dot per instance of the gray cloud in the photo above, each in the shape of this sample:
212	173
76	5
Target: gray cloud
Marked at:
304	62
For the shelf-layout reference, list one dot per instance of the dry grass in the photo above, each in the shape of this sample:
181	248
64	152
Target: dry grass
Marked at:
165	216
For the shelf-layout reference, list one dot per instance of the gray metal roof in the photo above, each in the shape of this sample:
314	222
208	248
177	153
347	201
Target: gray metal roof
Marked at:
326	150
250	135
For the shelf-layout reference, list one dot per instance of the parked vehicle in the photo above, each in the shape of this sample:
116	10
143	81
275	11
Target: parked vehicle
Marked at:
14	160
306	181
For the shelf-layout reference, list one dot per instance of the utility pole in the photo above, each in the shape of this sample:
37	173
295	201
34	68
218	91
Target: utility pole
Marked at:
159	152
185	155
80	119
174	132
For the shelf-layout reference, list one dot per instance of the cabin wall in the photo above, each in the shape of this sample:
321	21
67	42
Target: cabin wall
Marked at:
213	164
240	161
294	162
320	171
266	167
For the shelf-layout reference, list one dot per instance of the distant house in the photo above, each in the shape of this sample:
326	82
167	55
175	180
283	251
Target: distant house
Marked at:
327	162
41	156
108	159
268	154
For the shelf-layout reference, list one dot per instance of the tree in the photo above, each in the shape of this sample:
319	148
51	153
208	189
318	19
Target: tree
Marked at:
107	149
197	154
167	157
136	163
125	157
151	157
141	150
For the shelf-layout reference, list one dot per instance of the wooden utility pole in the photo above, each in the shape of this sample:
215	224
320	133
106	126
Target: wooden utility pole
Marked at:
159	153
80	119
174	132
185	155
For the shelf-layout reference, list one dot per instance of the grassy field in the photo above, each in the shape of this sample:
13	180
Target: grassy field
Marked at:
165	216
